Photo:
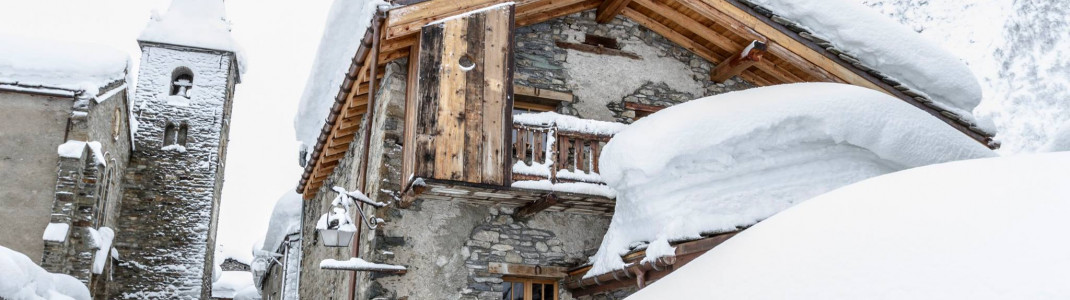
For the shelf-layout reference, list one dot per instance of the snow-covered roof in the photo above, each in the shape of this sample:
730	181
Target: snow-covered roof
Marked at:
285	220
347	23
887	49
21	278
727	161
193	23
1061	140
230	283
980	229
28	62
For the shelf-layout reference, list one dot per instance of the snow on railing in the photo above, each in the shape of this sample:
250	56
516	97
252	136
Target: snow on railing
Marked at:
559	148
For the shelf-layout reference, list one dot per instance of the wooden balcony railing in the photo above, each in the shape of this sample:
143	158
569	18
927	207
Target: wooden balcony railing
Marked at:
547	152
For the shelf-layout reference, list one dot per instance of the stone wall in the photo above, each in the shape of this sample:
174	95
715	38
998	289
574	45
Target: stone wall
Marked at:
666	74
168	219
317	283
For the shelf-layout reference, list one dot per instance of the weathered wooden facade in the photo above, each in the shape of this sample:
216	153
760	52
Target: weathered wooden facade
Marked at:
452	74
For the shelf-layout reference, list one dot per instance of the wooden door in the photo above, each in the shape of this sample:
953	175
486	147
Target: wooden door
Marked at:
464	98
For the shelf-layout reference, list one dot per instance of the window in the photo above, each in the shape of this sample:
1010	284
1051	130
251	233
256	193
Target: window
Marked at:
181	138
103	185
518	288
181	82
528	99
175	135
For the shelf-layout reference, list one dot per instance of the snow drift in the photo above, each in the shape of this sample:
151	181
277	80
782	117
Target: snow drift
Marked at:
991	229
21	278
723	162
346	24
887	46
65	65
1061	140
230	283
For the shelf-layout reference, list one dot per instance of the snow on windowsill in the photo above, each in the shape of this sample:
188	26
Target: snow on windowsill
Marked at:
174	147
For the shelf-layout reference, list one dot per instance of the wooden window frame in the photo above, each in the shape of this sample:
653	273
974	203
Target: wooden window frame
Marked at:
528	281
536	99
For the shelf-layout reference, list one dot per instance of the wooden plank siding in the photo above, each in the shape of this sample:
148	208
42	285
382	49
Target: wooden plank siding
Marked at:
463	99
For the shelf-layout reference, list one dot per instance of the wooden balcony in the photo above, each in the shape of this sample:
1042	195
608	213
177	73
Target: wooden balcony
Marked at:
553	168
545	152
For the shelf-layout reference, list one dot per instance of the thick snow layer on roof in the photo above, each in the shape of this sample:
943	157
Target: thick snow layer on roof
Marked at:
1061	140
887	46
57	64
230	282
727	161
980	229
21	278
285	220
193	23
346	24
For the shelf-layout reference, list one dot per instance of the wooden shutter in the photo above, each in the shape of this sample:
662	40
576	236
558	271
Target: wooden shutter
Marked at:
463	102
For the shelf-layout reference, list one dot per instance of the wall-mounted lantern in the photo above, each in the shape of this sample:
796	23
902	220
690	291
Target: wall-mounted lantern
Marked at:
335	227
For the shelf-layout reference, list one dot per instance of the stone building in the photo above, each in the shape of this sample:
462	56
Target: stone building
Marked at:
189	68
84	166
468	136
64	139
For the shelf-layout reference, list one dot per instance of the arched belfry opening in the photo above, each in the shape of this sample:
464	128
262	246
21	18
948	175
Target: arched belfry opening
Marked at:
181	82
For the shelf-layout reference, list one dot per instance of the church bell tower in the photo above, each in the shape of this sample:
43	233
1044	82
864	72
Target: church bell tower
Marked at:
166	238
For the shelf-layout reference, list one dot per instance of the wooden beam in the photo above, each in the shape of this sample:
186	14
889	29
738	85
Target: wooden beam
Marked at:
691	25
596	50
521	90
526	270
672	35
543	16
775	35
536	206
543	6
609	10
642	107
735	65
407	20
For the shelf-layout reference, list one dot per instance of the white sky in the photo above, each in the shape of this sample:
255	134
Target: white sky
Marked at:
279	38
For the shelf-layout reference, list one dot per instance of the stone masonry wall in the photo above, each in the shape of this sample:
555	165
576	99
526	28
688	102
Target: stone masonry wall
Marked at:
666	75
167	224
82	182
316	283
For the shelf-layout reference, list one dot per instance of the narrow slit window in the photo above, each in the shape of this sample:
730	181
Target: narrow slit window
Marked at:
181	139
169	134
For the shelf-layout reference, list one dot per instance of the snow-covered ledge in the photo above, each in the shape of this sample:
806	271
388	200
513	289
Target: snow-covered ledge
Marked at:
358	264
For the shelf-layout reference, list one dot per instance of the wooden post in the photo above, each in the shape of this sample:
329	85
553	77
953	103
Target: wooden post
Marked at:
735	64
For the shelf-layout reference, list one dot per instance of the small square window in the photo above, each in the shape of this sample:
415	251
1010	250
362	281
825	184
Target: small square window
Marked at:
519	288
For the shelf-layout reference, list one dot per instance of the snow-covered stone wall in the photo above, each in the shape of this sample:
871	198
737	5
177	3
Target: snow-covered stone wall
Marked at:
666	74
168	220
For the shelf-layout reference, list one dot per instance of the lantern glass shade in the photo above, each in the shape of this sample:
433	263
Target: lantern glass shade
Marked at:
336	238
